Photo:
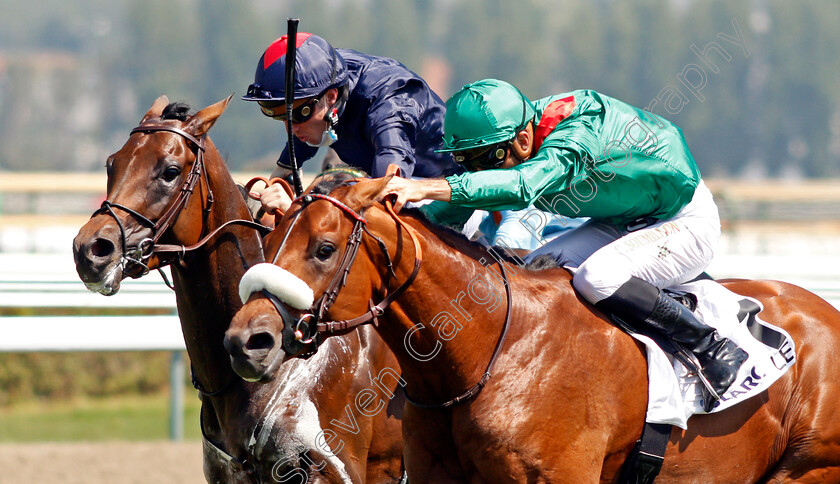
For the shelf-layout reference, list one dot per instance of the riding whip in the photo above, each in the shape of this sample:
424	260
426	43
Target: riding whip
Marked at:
291	50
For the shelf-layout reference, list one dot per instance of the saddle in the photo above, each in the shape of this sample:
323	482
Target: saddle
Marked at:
771	350
667	345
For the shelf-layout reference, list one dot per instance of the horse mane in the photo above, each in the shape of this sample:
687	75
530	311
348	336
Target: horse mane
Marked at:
181	111
545	261
327	182
177	110
448	235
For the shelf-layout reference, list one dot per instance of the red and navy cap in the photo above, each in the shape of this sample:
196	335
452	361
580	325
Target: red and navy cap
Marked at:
318	67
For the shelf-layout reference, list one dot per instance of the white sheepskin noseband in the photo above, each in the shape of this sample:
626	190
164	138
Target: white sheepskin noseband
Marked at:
286	286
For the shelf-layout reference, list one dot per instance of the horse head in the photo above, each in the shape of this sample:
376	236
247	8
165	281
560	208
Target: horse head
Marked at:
151	180
321	245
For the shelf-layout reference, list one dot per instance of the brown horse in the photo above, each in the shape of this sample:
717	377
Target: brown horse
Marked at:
253	432
566	400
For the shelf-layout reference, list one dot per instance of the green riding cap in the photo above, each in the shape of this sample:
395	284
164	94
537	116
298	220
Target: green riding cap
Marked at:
484	113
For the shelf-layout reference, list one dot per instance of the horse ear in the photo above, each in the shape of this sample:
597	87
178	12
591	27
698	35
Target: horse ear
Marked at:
157	108
201	122
366	192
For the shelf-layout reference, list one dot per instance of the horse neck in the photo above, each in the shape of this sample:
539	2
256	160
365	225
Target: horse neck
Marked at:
207	280
454	310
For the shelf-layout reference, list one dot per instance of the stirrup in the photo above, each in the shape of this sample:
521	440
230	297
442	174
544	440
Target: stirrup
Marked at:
690	361
681	353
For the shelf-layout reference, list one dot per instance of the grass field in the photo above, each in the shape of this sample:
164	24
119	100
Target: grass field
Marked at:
119	418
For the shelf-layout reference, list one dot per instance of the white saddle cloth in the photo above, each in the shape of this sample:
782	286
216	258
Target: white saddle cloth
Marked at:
674	392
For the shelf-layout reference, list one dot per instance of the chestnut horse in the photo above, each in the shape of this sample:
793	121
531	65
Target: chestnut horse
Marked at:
252	432
563	396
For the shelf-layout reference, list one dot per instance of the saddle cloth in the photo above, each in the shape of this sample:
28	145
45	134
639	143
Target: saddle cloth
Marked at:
674	391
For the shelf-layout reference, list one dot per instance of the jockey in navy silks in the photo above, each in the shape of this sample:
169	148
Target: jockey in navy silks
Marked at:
372	111
653	222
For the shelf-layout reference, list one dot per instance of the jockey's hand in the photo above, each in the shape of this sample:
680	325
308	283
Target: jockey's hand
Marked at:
407	190
272	198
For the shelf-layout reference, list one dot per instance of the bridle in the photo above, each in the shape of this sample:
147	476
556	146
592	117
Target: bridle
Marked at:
149	246
303	336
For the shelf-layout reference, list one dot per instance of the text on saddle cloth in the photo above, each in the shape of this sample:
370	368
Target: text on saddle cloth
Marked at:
674	392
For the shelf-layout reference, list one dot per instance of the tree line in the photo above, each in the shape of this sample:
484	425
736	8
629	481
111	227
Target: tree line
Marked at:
750	82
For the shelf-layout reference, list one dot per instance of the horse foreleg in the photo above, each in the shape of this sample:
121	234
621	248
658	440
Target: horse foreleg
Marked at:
821	468
429	453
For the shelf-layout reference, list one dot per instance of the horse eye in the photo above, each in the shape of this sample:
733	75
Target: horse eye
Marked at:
325	251
171	173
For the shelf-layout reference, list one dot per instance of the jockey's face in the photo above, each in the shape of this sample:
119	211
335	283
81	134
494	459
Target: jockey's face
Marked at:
308	115
506	154
302	109
510	162
310	131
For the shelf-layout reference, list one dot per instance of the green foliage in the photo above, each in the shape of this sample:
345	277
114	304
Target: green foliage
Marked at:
81	73
164	48
124	418
65	376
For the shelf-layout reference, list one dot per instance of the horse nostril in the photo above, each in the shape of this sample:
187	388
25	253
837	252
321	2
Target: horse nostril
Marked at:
233	344
260	341
102	248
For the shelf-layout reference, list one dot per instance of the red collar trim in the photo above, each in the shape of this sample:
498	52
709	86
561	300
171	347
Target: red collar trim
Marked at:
555	112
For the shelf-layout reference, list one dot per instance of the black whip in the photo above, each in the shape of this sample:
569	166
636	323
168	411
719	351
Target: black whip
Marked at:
291	51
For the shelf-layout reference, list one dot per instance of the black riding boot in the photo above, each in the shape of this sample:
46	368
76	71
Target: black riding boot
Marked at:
648	307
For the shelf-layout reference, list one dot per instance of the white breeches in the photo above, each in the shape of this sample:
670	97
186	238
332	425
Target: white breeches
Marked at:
665	253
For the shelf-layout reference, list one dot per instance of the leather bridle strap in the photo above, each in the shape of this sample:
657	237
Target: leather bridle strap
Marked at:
108	207
372	315
182	249
192	180
339	279
153	128
148	246
476	389
159	227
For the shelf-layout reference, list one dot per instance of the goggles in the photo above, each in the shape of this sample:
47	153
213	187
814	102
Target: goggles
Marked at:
483	158
300	114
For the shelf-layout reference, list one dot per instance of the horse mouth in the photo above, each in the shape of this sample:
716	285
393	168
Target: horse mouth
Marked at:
249	369
108	284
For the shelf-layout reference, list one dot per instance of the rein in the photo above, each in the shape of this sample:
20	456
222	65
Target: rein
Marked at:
306	332
149	246
340	278
314	326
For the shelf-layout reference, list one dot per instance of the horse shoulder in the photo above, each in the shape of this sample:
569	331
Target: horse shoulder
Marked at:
562	378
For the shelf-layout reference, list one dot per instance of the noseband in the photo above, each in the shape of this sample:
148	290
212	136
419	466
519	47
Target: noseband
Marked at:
141	253
305	334
302	337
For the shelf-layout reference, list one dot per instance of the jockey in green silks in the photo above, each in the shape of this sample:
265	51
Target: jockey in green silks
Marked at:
653	222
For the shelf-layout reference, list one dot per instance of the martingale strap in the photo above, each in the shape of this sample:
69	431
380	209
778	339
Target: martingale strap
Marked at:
476	389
